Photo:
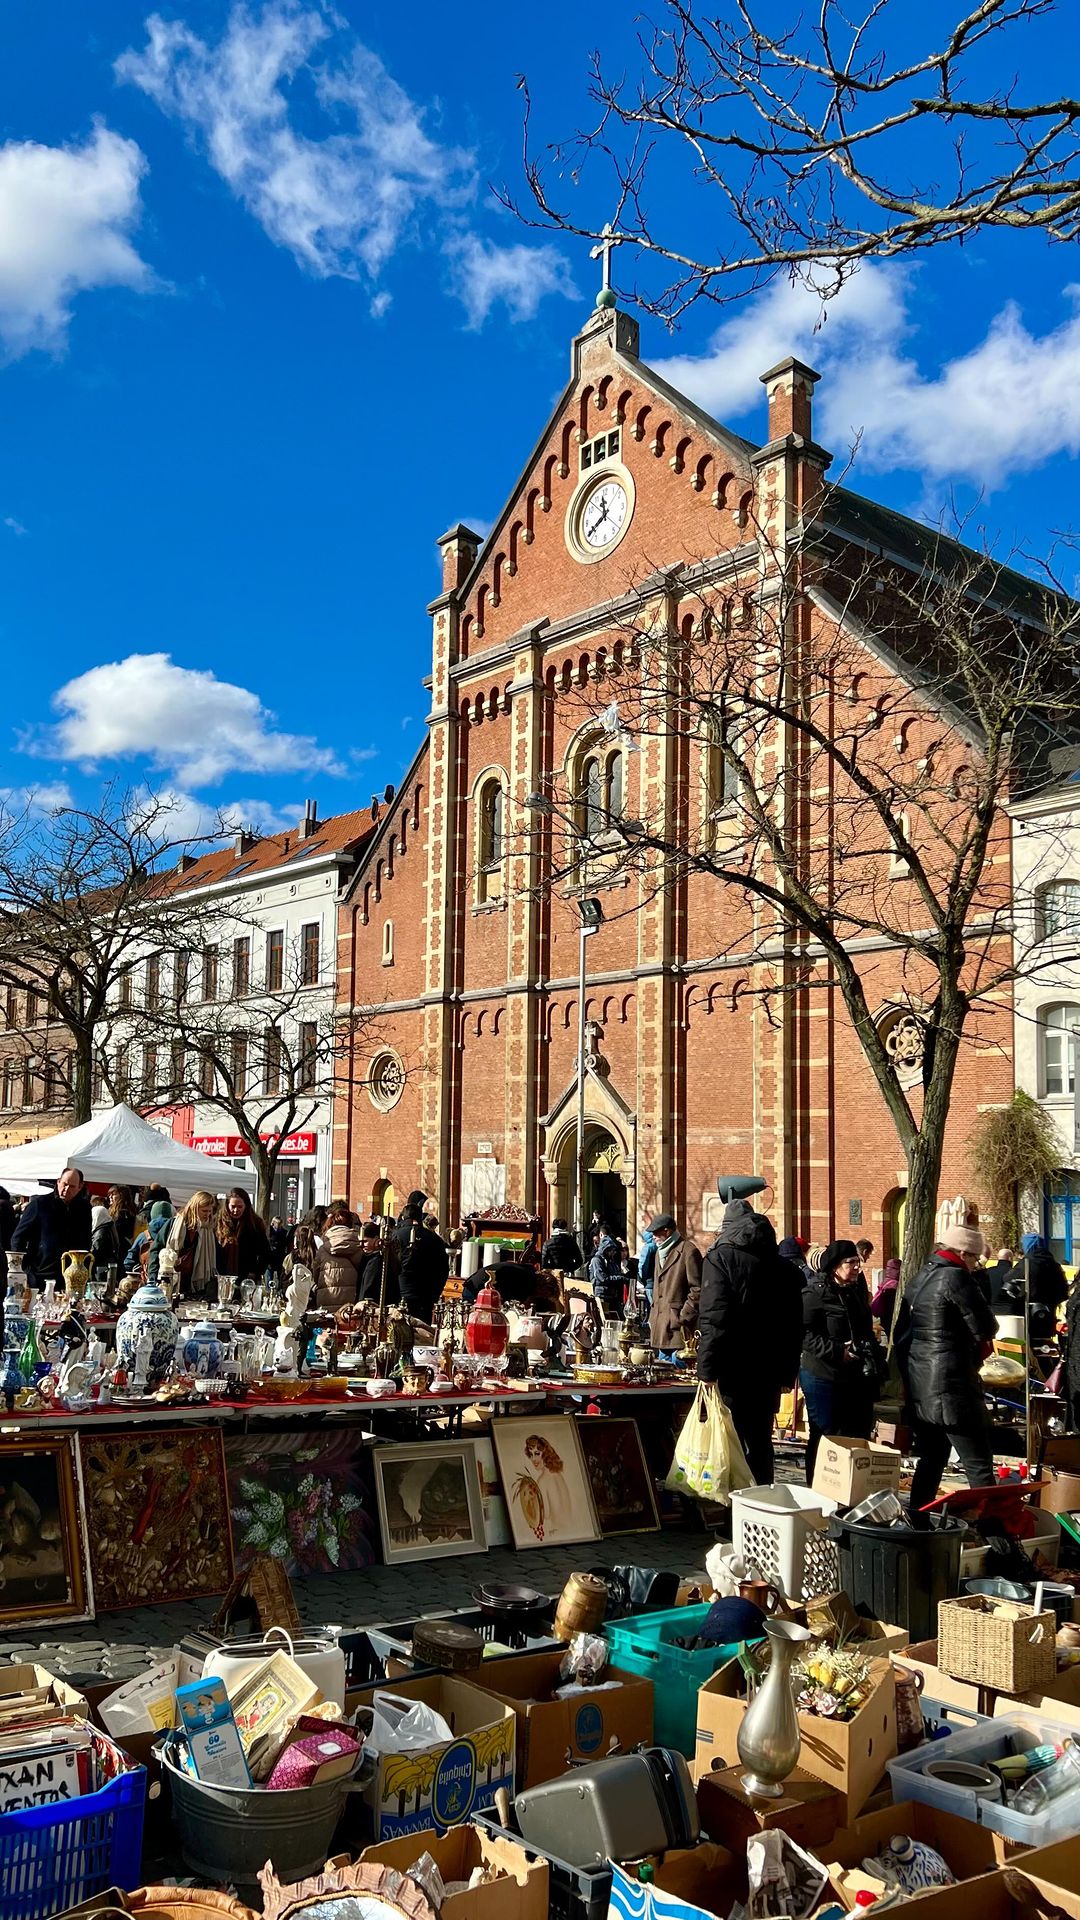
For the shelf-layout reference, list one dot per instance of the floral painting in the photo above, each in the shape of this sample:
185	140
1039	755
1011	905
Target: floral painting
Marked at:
302	1498
157	1516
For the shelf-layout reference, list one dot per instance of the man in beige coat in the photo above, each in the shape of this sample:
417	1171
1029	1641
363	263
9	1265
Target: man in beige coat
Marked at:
676	1286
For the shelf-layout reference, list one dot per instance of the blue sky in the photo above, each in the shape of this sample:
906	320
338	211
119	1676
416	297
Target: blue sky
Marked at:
265	332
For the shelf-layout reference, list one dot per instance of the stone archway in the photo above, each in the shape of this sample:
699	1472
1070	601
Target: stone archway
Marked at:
610	1139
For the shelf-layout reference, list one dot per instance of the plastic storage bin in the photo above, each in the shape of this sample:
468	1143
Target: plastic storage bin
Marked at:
574	1893
900	1573
53	1857
644	1644
394	1637
985	1741
783	1530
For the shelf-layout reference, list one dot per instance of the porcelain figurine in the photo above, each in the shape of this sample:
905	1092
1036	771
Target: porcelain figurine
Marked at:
144	1360
147	1312
202	1351
910	1865
769	1738
73	1379
77	1267
11	1380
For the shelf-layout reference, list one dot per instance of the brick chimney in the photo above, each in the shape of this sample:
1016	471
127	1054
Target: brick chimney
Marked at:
789	388
460	546
244	842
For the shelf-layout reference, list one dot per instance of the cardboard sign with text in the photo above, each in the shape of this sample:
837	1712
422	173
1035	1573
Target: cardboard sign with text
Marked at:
442	1784
851	1470
555	1734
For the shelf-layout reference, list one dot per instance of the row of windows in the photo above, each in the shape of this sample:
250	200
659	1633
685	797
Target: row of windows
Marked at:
157	1075
30	1085
206	981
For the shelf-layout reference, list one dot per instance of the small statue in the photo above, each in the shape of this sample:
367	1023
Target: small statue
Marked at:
73	1383
144	1357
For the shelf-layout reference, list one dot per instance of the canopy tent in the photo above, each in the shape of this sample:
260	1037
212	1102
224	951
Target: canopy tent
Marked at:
120	1146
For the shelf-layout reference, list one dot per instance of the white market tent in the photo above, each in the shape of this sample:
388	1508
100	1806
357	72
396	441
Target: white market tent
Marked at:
119	1146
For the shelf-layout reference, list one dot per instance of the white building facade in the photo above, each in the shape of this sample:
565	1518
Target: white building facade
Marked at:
1046	996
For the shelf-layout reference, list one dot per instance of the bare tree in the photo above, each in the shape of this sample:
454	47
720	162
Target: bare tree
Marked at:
83	894
808	145
825	762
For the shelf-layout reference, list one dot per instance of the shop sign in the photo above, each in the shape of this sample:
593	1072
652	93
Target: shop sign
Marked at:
229	1146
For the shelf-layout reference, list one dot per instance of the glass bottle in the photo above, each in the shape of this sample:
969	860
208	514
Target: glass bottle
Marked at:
30	1359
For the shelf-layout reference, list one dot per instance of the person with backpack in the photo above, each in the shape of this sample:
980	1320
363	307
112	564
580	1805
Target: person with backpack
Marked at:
145	1251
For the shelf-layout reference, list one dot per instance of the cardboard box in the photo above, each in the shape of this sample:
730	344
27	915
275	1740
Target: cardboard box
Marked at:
851	1470
848	1754
1054	1872
876	1638
1060	1701
1061	1494
519	1893
970	1850
554	1734
441	1785
26	1677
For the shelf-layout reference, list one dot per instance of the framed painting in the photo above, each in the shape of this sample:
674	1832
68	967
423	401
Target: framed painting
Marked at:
619	1477
544	1480
157	1515
305	1498
496	1519
44	1556
428	1495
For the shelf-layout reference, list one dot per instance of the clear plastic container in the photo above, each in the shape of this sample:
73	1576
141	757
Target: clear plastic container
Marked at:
1062	1776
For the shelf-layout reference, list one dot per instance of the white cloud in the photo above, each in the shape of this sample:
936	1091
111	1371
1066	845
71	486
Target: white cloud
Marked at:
483	273
186	722
14	526
329	153
176	815
339	202
66	216
50	797
1007	404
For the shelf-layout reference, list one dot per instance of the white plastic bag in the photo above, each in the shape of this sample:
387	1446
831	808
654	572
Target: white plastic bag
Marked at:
401	1725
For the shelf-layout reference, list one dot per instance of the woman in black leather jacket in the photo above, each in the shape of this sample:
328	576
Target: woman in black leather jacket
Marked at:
944	1328
842	1362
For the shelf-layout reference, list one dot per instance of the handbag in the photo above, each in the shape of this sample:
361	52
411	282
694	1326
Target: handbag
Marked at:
709	1462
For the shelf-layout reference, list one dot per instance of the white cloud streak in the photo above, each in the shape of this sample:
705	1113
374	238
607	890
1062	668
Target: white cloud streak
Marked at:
66	219
329	153
185	722
1004	406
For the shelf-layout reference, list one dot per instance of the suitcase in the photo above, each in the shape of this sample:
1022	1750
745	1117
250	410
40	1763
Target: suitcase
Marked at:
622	1808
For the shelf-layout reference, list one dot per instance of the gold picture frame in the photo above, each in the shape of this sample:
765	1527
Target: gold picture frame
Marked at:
44	1548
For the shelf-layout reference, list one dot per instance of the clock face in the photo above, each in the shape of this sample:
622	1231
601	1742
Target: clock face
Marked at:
604	514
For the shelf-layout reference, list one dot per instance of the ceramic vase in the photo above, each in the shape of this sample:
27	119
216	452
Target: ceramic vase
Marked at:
148	1311
202	1350
11	1380
16	1318
769	1738
76	1266
487	1330
911	1865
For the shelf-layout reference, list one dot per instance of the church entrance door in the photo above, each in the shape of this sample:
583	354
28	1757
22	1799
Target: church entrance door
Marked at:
605	1193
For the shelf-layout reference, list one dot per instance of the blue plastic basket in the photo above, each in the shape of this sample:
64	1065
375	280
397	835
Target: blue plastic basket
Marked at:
53	1857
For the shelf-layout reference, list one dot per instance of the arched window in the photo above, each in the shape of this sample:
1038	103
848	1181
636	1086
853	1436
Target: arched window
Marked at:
601	790
1057	1059
388	943
1058	910
592	793
719	774
615	770
382	1200
490	838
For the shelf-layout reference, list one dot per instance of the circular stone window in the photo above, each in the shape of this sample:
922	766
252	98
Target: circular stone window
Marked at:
904	1034
386	1081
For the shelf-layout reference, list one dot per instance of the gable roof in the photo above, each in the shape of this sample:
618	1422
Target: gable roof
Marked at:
344	833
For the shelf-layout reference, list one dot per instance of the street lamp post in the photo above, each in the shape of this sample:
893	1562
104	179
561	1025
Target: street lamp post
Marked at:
592	916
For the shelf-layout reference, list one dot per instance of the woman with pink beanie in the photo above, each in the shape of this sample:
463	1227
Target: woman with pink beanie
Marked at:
944	1330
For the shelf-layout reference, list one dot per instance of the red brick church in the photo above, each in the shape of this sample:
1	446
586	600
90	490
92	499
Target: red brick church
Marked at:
461	925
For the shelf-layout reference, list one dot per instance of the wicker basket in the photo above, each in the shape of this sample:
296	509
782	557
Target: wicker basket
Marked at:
997	1643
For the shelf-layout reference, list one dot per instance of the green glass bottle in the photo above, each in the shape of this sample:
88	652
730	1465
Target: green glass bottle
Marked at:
30	1358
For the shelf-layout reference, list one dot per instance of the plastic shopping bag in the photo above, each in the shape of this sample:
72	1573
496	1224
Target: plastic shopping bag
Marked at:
709	1461
401	1725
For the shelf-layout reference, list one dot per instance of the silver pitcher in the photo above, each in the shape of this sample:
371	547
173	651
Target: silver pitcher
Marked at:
769	1738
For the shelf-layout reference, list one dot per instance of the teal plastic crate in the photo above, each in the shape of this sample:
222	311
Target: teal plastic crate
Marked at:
644	1644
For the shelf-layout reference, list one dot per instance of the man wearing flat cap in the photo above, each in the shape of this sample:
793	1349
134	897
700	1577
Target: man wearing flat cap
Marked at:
676	1286
943	1331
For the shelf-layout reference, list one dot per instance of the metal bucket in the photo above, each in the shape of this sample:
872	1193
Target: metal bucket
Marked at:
227	1834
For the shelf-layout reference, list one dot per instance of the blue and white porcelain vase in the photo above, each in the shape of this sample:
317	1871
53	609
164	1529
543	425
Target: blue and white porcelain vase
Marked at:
202	1350
911	1865
148	1311
16	1318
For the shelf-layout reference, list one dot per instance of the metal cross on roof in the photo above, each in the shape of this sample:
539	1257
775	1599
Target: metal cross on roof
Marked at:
609	239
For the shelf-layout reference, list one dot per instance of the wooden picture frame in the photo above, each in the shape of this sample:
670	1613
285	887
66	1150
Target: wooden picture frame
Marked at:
547	1489
619	1479
43	1534
157	1510
429	1502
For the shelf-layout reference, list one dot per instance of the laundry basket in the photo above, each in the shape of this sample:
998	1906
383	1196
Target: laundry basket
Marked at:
783	1531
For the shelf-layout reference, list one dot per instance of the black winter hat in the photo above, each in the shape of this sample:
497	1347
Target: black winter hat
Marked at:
836	1251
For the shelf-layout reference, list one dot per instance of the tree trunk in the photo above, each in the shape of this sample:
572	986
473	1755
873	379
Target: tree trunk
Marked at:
82	1078
264	1160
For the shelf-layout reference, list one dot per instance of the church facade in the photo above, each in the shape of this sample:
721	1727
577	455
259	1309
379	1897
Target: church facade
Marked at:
714	1043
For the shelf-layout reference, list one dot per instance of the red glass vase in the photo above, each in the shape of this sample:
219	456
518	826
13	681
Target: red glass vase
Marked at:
487	1330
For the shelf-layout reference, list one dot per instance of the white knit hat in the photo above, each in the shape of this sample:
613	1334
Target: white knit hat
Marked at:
962	1240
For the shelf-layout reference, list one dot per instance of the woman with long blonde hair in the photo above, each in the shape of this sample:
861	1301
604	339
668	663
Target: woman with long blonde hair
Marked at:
193	1245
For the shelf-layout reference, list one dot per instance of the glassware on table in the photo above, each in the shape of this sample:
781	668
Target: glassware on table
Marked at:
1050	1783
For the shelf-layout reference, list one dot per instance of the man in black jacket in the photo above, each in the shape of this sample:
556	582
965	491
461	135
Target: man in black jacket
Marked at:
52	1224
944	1329
561	1251
423	1266
750	1323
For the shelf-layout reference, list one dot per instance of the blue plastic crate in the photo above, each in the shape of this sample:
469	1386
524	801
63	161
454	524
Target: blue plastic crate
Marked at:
644	1644
53	1857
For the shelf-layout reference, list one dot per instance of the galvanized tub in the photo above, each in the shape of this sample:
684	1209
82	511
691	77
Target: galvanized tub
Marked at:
227	1834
